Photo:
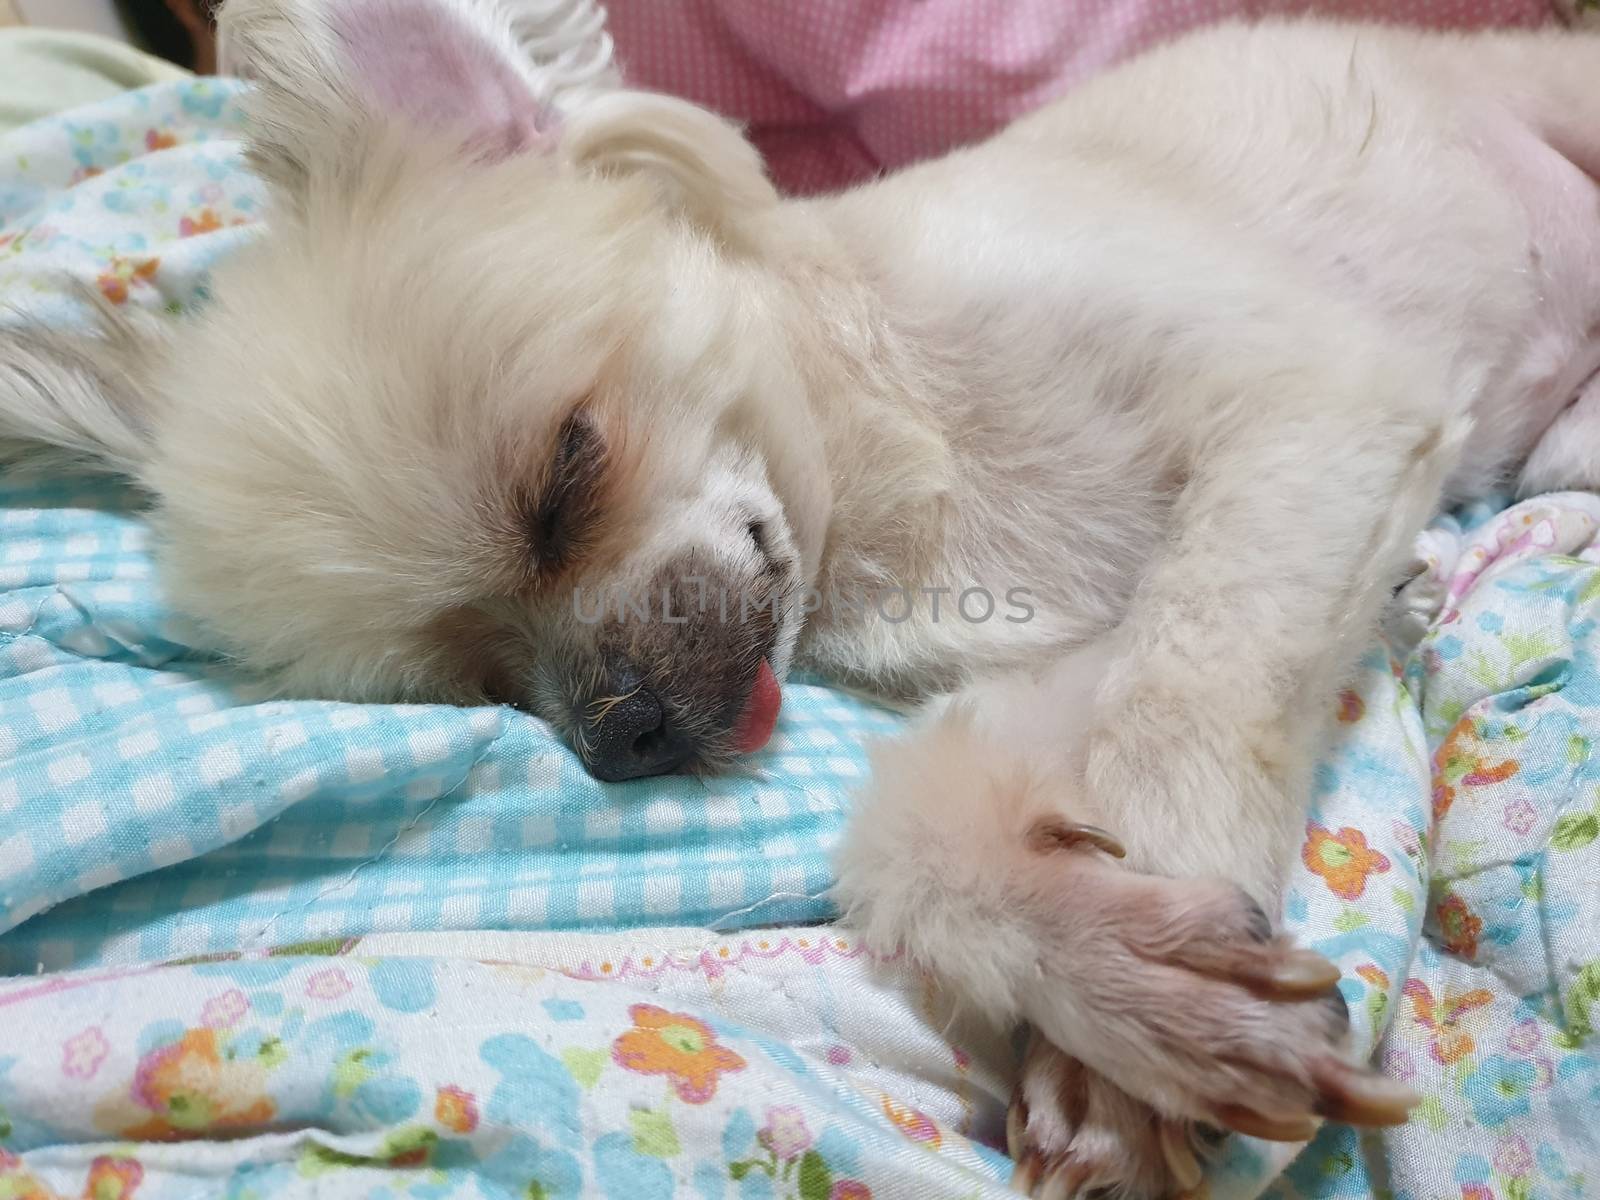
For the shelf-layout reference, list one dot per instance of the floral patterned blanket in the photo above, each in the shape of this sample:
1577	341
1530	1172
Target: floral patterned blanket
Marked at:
785	1064
1449	866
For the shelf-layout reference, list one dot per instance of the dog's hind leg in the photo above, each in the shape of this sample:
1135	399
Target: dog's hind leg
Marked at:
1551	82
1567	457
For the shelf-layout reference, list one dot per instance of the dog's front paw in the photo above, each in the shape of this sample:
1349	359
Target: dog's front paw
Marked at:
1176	991
1179	992
1072	1131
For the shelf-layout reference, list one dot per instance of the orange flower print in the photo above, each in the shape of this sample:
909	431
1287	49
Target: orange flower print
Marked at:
113	1178
204	221
1377	1001
1374	974
1456	765
1351	707
456	1109
915	1125
124	275
190	1088
1444	1018
1459	925
1443	797
158	139
1343	859
677	1046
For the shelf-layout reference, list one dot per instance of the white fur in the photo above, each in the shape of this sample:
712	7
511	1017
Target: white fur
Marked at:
1190	356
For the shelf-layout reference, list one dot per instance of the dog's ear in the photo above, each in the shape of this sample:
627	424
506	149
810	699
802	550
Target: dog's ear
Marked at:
702	164
330	73
81	392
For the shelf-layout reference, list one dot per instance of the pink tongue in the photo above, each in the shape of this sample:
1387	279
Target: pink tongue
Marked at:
760	712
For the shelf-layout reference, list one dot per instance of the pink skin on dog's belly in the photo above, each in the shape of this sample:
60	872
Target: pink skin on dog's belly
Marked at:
1560	347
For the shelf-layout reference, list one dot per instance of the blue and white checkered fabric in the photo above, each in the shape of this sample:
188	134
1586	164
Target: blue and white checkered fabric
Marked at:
163	813
150	808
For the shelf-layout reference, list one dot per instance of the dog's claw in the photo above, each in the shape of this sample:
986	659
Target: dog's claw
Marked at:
1016	1128
1299	974
1101	840
1272	970
1356	1097
1026	1173
1175	1148
1271	1129
1055	834
1065	1182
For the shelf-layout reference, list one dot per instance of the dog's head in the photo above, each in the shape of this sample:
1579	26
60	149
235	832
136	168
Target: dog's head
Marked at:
500	407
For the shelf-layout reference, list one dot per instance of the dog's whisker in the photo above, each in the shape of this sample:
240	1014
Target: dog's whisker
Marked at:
600	709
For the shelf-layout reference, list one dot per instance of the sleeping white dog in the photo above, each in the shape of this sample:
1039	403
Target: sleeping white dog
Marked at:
1187	359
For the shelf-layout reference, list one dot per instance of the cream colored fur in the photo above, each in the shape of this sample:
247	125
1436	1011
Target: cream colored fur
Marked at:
1190	356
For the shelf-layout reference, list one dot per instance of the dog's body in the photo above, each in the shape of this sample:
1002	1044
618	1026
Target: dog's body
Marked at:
1189	358
1219	326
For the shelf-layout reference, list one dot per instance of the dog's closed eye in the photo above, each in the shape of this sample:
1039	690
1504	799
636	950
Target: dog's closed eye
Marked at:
561	515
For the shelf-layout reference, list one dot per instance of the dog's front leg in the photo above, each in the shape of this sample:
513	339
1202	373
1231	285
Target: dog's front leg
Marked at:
1158	1002
1183	742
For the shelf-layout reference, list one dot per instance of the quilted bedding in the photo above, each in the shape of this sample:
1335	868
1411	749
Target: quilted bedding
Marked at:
1449	866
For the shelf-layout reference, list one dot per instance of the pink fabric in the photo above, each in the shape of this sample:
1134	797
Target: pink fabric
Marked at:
834	91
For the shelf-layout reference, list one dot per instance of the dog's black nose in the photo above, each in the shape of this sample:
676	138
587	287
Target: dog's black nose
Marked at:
626	734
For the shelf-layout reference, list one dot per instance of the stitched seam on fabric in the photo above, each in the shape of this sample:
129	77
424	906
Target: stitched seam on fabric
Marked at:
328	889
9	636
